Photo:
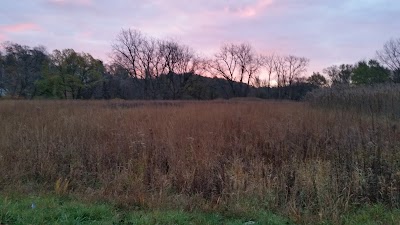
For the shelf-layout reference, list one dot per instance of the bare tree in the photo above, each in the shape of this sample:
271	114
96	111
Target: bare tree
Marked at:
279	66
249	63
178	58
146	59
259	82
296	66
126	51
180	64
390	54
333	74
287	68
268	63
339	75
238	64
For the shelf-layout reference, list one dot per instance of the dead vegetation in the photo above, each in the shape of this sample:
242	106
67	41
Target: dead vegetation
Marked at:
307	163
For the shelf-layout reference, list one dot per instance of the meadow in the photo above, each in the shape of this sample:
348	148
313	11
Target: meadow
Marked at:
236	158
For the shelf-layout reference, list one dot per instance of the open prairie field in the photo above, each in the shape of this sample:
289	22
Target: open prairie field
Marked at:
306	164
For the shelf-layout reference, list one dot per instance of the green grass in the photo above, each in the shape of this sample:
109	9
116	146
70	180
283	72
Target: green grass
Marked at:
369	215
373	215
56	210
53	210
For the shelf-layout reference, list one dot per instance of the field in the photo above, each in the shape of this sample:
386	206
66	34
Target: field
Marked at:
239	159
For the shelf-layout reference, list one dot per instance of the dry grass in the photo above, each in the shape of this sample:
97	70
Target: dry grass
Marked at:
373	100
306	163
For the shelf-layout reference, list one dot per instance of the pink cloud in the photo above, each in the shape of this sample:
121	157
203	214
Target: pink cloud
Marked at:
21	27
254	9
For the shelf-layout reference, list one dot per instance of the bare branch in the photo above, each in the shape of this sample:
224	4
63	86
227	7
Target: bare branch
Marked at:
390	54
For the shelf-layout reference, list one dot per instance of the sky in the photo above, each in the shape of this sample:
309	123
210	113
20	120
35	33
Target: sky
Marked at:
328	32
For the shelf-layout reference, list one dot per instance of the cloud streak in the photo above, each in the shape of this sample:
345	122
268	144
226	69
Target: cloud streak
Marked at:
21	27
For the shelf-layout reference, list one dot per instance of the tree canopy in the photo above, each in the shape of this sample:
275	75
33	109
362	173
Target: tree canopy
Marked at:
370	72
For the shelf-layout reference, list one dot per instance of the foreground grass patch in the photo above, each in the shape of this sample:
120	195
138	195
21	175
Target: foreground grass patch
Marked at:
53	210
371	215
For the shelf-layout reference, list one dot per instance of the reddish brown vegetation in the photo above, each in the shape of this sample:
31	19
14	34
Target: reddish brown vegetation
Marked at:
219	155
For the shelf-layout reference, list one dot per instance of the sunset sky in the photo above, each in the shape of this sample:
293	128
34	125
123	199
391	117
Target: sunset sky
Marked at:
325	31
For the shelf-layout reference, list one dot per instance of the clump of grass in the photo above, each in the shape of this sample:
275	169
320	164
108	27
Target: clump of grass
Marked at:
222	156
61	186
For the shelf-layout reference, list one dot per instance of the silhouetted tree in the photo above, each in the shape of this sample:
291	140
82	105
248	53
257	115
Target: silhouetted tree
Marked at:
390	54
147	59
280	70
295	66
268	64
238	64
135	52
339	75
180	66
2	77
287	69
117	70
396	76
317	80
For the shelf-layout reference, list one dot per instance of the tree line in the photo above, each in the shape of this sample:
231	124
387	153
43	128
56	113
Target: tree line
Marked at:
143	67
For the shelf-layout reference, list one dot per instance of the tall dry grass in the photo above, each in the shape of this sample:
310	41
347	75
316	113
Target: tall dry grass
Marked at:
382	99
307	163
